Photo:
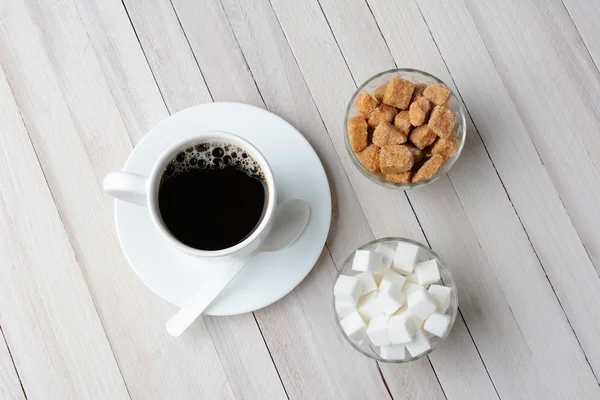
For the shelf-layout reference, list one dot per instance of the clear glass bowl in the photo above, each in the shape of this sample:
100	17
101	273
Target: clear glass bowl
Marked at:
447	280
415	76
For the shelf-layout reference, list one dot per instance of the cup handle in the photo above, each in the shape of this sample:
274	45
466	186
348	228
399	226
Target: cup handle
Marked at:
127	186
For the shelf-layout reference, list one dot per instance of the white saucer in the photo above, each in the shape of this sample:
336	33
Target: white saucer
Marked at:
299	174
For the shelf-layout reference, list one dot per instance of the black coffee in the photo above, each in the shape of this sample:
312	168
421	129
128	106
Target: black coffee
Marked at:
212	196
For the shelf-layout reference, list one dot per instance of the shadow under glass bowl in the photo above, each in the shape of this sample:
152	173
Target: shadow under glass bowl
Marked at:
446	280
415	76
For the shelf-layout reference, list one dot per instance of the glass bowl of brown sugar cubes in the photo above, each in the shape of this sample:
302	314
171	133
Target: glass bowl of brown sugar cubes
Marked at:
404	128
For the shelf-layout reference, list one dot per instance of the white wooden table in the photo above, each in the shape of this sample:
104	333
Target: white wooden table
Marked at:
517	219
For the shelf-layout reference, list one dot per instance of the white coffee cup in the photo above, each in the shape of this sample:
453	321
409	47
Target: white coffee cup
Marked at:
143	191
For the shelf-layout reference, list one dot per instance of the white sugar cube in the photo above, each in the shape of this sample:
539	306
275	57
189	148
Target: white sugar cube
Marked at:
387	254
368	307
343	309
437	324
409	288
347	289
443	295
377	331
354	327
419	345
367	261
427	272
401	328
368	282
421	303
390	300
391	278
405	257
418	321
393	352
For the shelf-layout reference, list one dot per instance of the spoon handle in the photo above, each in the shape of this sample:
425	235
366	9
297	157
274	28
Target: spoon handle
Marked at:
192	310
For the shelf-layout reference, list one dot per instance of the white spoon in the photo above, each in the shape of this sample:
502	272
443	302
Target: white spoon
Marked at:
291	217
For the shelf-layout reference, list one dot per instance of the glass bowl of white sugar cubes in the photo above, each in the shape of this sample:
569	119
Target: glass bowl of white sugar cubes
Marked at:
395	300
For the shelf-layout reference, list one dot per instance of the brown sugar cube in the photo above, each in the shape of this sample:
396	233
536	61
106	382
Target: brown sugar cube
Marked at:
438	94
357	133
429	169
418	154
422	136
379	92
395	158
402	177
418	93
402	122
365	103
442	121
398	93
446	148
382	112
369	158
386	134
418	111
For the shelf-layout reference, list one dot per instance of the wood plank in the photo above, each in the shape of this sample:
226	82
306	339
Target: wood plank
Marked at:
227	75
10	385
545	66
62	95
165	48
238	341
503	250
48	316
530	187
124	65
585	16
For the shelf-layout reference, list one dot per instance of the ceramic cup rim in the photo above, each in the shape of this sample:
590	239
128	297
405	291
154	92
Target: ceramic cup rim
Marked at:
207	136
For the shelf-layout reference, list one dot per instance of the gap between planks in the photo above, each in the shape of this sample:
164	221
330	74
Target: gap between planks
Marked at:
14	365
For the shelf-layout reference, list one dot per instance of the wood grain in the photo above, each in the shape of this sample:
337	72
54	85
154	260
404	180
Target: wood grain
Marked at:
261	47
168	53
10	386
213	21
47	313
516	219
237	340
584	15
476	183
366	54
124	65
286	94
382	197
227	75
545	66
62	95
530	188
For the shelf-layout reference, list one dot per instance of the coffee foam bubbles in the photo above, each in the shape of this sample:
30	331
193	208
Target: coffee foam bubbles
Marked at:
213	155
